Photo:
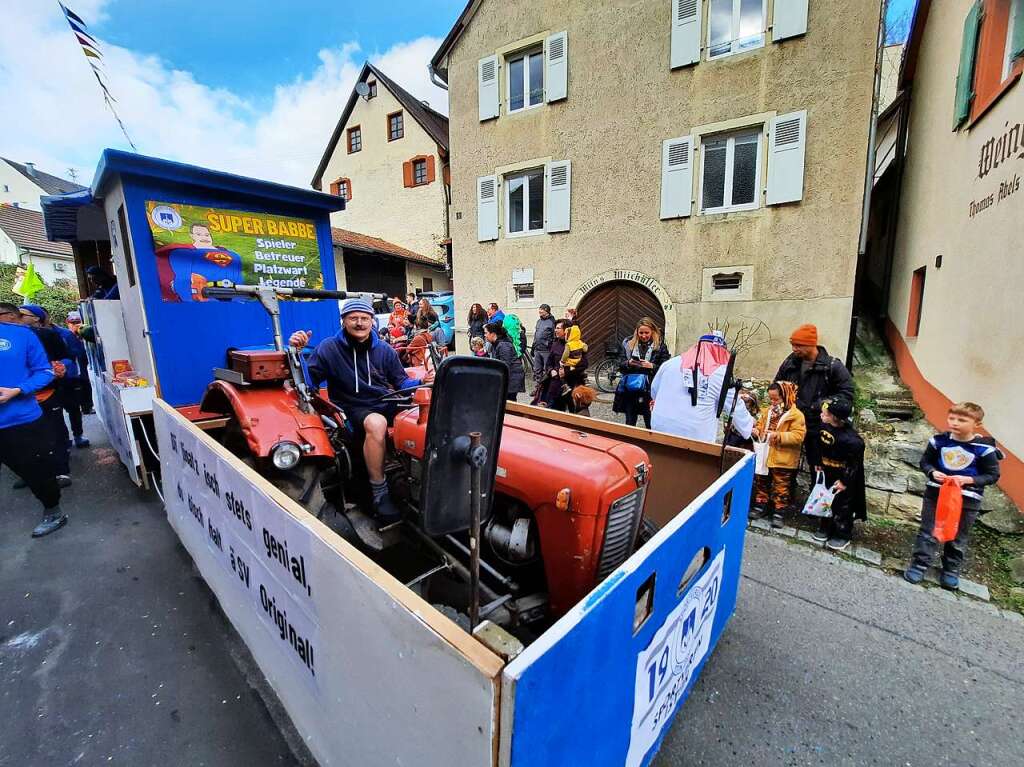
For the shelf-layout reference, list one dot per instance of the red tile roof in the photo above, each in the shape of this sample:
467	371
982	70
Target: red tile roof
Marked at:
25	228
357	241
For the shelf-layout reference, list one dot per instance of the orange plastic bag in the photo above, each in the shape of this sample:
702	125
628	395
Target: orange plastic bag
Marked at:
947	511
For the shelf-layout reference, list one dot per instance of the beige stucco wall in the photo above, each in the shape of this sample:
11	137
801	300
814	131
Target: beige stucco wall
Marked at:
971	336
619	110
414	274
16	189
381	206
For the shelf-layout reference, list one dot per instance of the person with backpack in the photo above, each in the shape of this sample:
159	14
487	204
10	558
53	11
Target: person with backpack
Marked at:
640	357
819	378
503	349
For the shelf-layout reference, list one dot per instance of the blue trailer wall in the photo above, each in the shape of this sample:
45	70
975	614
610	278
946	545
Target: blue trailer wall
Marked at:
594	692
190	339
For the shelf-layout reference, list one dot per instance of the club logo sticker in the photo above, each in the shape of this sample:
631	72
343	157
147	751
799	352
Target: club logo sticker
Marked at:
5	345
166	217
956	458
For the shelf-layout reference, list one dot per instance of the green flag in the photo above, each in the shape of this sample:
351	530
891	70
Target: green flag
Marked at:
29	283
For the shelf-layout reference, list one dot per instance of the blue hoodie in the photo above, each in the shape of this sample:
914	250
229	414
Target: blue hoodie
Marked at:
23	365
357	374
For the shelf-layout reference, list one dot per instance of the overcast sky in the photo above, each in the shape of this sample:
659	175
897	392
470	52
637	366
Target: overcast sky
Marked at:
249	87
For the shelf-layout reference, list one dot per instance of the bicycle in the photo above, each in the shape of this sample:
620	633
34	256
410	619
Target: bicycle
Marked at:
606	372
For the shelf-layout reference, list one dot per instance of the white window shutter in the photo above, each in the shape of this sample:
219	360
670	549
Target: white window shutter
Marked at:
487	208
556	62
558	182
786	149
676	177
487	83
686	24
790	19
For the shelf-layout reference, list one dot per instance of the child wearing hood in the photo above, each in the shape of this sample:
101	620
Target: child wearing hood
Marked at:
842	462
572	357
782	426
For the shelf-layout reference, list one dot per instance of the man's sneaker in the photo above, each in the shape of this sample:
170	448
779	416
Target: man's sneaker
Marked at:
820	536
949	581
81	441
778	521
386	511
64	480
913	575
758	512
838	544
52	521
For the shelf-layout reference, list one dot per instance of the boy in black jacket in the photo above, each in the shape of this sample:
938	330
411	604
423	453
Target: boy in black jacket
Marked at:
841	459
973	463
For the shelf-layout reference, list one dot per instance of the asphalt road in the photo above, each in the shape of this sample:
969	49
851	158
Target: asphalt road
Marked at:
110	653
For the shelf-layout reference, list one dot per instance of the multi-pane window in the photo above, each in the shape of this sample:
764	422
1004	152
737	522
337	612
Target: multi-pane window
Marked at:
525	81
372	85
524	203
734	26
396	126
343	189
731	172
355	139
419	172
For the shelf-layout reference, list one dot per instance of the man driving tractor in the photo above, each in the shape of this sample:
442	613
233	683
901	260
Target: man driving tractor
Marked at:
360	369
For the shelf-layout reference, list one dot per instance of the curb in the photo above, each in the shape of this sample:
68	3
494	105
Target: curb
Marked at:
862	554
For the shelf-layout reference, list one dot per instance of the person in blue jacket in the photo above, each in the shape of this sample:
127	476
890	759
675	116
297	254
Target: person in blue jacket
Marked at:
68	388
25	439
359	368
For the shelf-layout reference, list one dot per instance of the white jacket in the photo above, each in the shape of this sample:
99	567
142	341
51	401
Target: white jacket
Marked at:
674	413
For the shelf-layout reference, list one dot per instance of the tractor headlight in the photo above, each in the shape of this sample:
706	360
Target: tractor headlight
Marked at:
285	455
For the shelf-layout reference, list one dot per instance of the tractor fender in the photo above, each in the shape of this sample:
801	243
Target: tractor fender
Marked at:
267	416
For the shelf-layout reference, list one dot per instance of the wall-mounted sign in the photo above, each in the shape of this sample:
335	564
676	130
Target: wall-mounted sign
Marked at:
198	247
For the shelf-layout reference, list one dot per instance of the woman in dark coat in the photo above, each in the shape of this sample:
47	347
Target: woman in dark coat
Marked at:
639	359
558	381
503	349
476	321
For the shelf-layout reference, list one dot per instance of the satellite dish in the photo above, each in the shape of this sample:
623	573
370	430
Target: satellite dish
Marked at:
363	89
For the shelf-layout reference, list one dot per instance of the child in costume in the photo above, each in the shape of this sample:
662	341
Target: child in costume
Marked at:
972	461
782	426
842	461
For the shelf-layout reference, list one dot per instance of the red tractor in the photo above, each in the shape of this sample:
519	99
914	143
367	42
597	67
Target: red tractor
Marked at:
557	509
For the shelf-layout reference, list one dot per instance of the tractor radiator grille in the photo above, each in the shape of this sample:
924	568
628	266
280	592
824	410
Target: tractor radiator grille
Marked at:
620	533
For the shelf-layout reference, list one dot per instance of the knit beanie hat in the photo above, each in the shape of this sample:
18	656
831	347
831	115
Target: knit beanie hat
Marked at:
357	305
805	335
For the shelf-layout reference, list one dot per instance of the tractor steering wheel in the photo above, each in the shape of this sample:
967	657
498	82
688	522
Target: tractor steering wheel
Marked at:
401	396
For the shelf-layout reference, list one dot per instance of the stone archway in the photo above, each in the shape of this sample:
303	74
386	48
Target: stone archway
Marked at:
610	304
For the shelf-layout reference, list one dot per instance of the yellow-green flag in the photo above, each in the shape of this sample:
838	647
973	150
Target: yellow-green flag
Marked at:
29	284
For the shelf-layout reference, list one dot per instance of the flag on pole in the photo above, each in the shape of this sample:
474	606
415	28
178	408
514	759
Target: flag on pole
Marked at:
29	283
91	49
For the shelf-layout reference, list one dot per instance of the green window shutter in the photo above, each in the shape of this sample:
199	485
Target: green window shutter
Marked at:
1017	39
965	76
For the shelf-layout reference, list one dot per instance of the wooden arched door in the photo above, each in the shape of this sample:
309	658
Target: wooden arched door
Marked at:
610	312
